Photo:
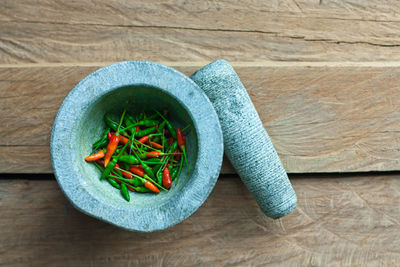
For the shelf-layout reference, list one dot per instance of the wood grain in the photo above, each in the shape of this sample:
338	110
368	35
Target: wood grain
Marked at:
90	31
340	221
321	119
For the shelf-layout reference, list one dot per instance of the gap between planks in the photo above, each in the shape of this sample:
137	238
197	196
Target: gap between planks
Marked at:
277	64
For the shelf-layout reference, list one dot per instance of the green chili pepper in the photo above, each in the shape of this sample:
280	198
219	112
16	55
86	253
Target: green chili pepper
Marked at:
102	141
142	189
137	182
170	128
159	177
112	124
174	173
161	127
144	132
148	170
124	192
131	159
108	170
129	120
173	147
114	183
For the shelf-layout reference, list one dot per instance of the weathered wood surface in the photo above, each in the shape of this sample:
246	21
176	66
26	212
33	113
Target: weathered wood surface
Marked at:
340	221
90	31
321	118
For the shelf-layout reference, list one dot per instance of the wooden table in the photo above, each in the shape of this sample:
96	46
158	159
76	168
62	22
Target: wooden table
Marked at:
324	76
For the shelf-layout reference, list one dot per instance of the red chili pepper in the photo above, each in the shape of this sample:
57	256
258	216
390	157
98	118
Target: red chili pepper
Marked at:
113	173
95	156
144	139
123	139
130	188
156	145
166	178
177	154
127	175
137	170
179	137
137	128
151	186
111	147
153	154
109	135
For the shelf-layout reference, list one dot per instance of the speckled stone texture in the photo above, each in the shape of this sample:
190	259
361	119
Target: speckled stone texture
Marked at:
79	122
246	142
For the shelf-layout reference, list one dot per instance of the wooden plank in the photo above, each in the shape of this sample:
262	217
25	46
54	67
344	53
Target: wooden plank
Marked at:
321	119
351	221
51	31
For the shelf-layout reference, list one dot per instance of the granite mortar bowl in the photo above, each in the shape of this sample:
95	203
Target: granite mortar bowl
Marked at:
144	85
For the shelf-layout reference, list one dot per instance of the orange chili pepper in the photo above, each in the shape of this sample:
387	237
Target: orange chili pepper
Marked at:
144	139
153	154
151	186
137	170
95	156
156	145
111	147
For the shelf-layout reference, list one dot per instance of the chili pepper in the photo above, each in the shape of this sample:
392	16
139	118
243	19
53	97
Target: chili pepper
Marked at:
181	142
137	182
144	139
169	125
129	120
151	186
118	168
112	146
130	188
110	123
146	168
173	147
144	179
137	128
161	127
166	178
145	132
142	189
95	156
159	175
124	192
177	154
170	140
137	171
108	169
153	154
179	137
102	141
174	173
131	159
156	145
111	165
113	183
